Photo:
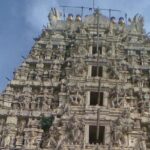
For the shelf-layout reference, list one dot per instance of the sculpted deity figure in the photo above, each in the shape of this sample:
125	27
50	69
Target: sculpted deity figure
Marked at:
7	141
54	16
137	24
118	136
121	127
80	68
76	99
63	109
118	96
56	135
74	130
141	144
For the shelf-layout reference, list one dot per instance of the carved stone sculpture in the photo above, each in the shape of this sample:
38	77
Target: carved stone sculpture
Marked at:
54	16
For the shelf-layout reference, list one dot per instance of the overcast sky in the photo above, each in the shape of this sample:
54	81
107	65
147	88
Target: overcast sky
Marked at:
22	20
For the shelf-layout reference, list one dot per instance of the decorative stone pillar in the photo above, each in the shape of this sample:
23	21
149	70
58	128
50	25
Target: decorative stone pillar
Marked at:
104	73
19	141
87	98
86	134
10	132
106	99
89	70
62	98
32	138
107	135
90	50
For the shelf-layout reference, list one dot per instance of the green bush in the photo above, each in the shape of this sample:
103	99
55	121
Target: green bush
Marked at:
46	122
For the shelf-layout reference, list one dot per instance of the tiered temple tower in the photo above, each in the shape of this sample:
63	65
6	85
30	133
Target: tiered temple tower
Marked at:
85	85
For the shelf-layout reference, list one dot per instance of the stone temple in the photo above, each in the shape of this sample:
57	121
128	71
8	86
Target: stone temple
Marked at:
85	85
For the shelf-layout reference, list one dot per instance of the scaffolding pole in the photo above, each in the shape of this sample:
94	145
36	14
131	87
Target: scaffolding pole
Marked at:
99	84
93	4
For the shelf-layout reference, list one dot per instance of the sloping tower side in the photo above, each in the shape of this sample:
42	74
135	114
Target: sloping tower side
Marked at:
85	85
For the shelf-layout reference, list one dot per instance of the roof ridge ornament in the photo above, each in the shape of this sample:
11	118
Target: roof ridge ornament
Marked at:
54	15
137	23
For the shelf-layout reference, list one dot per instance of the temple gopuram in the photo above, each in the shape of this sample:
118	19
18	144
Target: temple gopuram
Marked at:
85	85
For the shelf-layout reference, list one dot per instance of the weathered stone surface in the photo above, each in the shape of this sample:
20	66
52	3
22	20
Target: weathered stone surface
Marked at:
79	89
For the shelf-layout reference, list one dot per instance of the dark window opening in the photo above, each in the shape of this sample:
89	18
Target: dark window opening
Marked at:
55	47
36	90
46	66
78	30
32	65
95	35
97	71
30	106
94	98
17	89
93	135
94	50
43	46
140	108
137	52
68	47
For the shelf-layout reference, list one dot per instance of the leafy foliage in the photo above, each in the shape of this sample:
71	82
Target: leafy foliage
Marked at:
46	122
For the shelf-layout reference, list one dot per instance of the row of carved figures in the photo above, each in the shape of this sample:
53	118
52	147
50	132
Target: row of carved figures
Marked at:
70	132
